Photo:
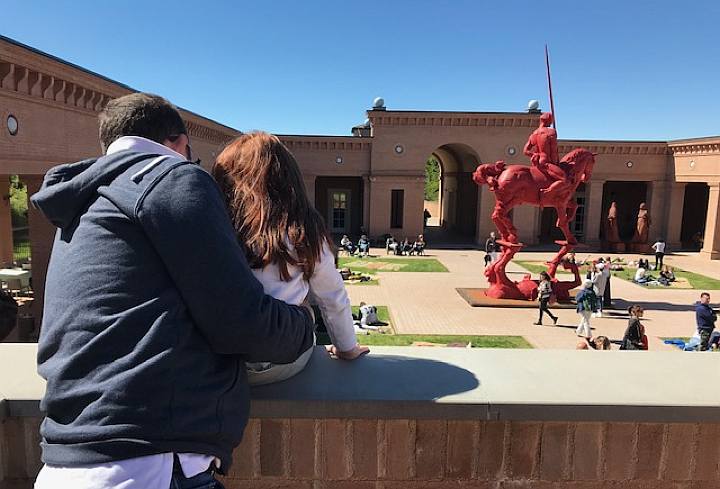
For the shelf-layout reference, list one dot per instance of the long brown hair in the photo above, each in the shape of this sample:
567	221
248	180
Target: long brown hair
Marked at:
268	204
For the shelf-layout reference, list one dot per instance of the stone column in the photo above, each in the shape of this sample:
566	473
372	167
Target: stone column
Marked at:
593	212
42	234
674	213
658	199
711	245
6	237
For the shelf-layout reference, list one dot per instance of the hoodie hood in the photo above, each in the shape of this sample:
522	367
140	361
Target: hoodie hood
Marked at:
68	189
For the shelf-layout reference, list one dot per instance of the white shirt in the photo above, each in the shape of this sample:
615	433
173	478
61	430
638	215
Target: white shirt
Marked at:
639	274
152	471
325	288
659	247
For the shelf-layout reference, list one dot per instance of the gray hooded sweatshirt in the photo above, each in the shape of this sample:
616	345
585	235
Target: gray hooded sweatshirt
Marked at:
150	313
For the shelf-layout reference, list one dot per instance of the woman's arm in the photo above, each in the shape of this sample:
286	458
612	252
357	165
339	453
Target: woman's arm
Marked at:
327	290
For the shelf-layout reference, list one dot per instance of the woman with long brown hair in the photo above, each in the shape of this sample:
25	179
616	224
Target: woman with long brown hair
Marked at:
285	240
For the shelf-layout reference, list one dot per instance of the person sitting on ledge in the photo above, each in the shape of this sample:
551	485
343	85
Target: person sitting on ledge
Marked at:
286	243
145	364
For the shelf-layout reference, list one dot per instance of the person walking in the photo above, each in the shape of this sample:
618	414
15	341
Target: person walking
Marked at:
599	279
586	306
705	318
659	248
544	295
151	312
607	296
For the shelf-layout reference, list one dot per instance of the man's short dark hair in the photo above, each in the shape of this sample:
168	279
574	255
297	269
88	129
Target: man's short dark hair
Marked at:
705	294
139	114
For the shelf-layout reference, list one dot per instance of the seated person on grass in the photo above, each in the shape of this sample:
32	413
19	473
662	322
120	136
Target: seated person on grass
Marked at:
642	277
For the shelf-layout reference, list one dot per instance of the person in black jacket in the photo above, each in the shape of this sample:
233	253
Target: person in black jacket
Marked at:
705	318
635	332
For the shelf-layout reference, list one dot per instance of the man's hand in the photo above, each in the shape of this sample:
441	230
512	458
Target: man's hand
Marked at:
356	352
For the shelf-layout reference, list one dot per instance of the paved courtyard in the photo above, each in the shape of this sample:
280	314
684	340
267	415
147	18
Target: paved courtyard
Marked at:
427	303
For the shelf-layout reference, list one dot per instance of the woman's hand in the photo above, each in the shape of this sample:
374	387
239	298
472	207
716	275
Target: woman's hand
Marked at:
356	352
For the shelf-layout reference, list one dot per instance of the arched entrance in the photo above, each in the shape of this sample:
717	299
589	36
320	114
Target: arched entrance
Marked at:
455	216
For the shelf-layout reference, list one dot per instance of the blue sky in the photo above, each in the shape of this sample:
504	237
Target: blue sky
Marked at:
621	69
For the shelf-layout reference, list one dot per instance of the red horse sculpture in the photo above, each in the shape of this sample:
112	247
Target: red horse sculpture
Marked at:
514	185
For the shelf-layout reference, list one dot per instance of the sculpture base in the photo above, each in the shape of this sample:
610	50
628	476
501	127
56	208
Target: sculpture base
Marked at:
479	298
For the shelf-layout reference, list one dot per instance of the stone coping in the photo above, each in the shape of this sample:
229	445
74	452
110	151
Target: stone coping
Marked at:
460	383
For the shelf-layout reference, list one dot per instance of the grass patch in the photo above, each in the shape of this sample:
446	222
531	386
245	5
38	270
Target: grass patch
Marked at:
476	341
695	280
374	265
531	267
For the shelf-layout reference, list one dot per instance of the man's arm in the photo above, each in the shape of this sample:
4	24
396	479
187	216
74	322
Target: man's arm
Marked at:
185	218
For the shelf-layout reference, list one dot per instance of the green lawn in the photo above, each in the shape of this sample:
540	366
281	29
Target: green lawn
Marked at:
383	264
476	341
531	267
695	280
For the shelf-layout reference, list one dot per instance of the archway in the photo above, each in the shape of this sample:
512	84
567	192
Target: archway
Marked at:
449	175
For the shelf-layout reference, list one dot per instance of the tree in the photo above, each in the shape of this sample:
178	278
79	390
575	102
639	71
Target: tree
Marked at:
18	202
432	179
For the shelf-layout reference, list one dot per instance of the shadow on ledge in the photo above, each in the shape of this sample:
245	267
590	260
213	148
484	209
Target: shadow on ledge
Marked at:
359	386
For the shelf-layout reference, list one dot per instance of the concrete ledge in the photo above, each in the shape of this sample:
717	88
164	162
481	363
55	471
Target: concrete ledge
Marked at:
458	383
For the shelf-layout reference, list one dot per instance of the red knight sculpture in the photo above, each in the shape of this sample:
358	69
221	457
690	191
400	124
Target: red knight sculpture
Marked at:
542	149
549	182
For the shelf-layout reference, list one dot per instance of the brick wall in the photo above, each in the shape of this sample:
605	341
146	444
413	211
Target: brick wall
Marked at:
372	453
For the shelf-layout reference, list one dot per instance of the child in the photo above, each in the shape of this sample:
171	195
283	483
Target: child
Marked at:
285	240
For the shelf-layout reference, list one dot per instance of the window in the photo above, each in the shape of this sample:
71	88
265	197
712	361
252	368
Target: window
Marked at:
397	203
339	209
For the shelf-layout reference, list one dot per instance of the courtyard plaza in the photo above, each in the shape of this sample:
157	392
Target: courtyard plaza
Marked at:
427	302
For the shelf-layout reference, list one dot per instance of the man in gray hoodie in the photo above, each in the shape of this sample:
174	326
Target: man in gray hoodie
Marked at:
150	313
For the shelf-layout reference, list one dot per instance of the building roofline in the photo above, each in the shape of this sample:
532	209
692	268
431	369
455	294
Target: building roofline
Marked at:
514	114
65	62
694	140
612	141
321	136
98	75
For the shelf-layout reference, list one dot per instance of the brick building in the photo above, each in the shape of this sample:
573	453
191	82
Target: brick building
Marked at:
373	179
